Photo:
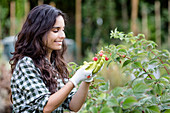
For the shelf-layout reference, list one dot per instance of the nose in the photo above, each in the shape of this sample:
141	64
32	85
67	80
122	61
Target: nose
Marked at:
62	34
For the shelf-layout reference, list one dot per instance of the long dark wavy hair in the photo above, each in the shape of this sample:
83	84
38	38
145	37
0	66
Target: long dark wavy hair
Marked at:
29	43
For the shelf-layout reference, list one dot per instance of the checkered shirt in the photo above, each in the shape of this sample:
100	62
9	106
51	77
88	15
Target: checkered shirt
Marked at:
29	92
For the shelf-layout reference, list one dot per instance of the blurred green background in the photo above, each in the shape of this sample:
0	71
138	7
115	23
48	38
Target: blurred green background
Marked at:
87	30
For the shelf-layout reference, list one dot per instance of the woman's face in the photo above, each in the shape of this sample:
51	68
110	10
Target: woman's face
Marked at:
56	35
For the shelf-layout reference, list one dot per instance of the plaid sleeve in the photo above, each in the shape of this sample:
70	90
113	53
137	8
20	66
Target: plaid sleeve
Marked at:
33	87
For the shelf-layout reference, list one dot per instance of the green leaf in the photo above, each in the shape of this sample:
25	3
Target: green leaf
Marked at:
134	58
166	65
106	110
100	78
167	111
152	76
93	109
146	99
164	107
141	35
138	64
136	81
105	87
136	73
112	102
117	109
117	91
126	63
129	102
165	98
128	92
109	63
141	54
122	50
153	109
153	62
149	81
102	96
139	88
164	80
72	63
158	88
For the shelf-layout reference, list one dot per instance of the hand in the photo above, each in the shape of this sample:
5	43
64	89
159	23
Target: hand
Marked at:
94	75
81	75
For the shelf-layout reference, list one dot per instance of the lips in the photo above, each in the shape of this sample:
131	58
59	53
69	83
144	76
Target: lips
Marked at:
58	42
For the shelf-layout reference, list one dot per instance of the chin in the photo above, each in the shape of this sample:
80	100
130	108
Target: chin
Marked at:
58	48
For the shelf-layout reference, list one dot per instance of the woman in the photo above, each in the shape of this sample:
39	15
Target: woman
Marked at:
40	80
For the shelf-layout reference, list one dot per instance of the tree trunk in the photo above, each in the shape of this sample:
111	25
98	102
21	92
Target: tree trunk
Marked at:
0	26
12	18
52	4
124	14
40	2
144	21
78	28
158	23
134	14
20	12
27	9
169	24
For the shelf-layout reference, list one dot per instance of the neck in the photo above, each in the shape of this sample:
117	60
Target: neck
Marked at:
49	56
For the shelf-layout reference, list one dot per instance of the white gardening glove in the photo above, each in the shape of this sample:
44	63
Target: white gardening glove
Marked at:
81	75
94	75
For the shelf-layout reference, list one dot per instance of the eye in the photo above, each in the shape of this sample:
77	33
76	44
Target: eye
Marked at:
55	31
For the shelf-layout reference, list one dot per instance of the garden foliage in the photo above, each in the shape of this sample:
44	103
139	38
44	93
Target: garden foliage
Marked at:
143	94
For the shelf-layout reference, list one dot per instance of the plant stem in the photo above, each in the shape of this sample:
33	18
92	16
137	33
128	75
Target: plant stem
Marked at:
122	56
142	68
160	60
148	74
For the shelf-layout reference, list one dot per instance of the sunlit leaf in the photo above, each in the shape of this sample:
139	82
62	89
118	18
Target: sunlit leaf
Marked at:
93	109
109	63
122	50
126	63
167	111
116	91
139	88
106	110
141	35
153	62
164	80
129	102
117	109
153	109
150	77
105	87
112	102
165	98
138	64
158	88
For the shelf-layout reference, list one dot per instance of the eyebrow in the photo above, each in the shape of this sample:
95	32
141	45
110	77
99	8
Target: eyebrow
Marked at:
57	27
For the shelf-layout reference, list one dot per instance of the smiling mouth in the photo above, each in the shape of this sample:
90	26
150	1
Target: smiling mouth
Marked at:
59	43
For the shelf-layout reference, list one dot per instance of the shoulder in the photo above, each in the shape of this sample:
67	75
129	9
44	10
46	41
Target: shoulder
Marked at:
25	61
26	66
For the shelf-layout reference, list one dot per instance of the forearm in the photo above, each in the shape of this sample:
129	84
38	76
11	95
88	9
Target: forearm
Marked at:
79	98
56	99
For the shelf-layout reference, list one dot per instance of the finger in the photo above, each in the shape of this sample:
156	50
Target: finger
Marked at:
85	66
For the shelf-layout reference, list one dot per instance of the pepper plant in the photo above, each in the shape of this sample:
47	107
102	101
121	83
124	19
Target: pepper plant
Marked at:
143	94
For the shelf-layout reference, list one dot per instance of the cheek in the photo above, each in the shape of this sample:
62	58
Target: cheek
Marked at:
49	39
44	40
